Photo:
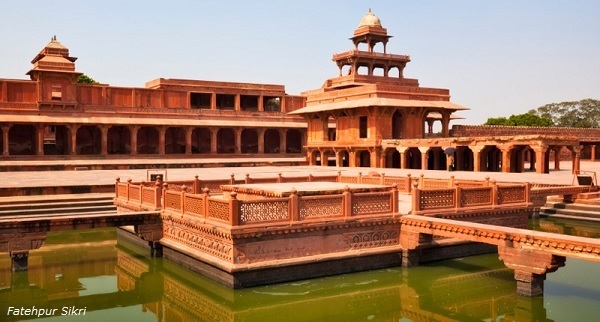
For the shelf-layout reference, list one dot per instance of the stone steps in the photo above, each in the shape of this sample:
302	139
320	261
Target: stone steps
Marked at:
39	206
577	210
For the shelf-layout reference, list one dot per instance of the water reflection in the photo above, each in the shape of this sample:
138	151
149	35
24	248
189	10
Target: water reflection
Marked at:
114	281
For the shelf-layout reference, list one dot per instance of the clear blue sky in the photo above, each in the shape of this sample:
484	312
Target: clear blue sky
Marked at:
496	57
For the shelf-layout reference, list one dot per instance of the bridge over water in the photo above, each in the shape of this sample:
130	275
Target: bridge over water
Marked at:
20	234
531	254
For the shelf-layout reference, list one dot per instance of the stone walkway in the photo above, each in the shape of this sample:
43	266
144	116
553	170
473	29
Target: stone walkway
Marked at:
103	177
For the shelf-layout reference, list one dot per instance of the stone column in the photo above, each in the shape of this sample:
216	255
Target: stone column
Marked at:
236	102
540	158
324	159
352	158
162	132
459	163
134	133
213	140
261	140
576	154
402	151
506	156
238	140
477	158
188	139
445	124
104	139
424	158
593	152
73	139
19	260
282	141
5	142
557	157
39	133
261	106
213	101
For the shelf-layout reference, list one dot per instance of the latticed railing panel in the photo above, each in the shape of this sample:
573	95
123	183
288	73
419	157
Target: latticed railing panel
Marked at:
194	205
401	183
261	211
435	183
122	190
148	196
433	199
371	203
512	194
134	193
173	200
348	179
371	180
294	179
320	207
324	179
218	210
476	196
214	186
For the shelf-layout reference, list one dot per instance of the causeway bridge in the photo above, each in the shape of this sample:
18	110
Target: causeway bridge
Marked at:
531	254
20	234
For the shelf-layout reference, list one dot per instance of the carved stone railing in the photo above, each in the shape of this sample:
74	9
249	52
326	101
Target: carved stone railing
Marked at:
496	130
138	196
457	199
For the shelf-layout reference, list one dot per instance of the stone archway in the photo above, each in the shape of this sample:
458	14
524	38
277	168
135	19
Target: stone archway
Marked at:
175	140
89	140
363	158
56	140
463	158
22	140
201	140
436	159
119	140
272	141
147	140
491	159
226	141
343	159
293	141
392	158
413	158
249	141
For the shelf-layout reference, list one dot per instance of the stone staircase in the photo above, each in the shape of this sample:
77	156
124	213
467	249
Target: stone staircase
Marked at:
55	205
586	207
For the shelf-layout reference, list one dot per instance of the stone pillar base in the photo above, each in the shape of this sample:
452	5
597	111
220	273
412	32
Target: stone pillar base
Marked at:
19	260
529	284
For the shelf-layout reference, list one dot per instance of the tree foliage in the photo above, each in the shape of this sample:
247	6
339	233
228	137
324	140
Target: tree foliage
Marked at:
527	119
85	79
584	113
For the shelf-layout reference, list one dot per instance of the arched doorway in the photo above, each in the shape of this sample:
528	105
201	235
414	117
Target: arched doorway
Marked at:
413	158
436	159
119	140
272	141
463	158
249	141
22	140
364	158
293	141
56	140
147	140
201	139
175	140
343	158
392	158
226	141
491	159
89	140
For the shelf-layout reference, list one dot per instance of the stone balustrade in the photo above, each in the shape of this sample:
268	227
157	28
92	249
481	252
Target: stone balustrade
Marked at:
231	211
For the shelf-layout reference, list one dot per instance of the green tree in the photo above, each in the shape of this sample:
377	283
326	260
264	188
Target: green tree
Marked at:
85	79
527	119
583	113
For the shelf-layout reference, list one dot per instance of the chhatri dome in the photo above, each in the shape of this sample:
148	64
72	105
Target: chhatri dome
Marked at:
370	20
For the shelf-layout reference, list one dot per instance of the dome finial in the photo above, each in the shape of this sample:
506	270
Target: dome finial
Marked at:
371	20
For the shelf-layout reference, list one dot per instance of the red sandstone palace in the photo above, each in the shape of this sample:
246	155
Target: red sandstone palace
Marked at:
370	115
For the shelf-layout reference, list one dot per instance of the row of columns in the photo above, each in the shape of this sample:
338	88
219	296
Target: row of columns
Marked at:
377	159
72	143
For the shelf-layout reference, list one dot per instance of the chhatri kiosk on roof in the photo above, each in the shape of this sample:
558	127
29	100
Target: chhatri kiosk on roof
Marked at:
370	101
